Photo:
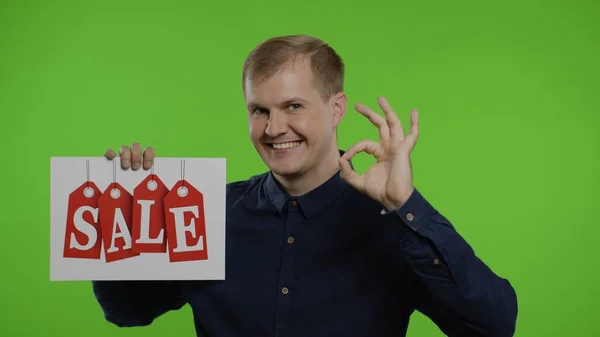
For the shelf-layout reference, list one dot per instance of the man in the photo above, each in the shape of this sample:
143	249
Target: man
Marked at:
313	248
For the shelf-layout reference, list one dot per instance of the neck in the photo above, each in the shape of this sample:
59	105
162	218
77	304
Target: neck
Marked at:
308	181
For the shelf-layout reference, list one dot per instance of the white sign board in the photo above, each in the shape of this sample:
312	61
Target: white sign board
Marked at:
166	223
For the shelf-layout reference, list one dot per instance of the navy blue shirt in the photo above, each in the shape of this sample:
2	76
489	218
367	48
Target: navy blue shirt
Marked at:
328	263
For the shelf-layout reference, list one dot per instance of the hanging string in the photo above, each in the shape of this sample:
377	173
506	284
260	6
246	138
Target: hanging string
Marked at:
182	172
87	172
115	174
152	172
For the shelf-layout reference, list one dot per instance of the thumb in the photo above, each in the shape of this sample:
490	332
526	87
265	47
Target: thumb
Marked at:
349	175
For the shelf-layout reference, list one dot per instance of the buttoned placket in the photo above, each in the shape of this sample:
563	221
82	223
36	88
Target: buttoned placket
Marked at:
286	276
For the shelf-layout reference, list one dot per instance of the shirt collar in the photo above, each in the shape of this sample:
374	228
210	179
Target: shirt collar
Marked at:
312	202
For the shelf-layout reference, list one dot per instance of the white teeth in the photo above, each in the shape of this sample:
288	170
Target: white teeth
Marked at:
288	145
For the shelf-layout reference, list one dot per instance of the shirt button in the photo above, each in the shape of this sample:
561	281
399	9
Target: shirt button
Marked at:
291	239
285	290
436	261
295	203
410	217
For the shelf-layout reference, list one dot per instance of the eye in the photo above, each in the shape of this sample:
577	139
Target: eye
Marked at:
259	111
294	106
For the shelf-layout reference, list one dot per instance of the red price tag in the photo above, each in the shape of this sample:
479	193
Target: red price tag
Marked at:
115	221
83	234
149	216
186	230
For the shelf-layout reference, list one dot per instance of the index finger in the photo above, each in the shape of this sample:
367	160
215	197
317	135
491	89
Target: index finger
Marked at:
125	155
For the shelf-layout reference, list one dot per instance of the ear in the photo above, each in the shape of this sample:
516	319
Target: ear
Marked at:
339	102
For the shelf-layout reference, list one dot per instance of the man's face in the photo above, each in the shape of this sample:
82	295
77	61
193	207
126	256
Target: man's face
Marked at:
291	127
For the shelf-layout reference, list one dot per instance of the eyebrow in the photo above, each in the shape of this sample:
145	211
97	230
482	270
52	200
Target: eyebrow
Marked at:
293	100
286	102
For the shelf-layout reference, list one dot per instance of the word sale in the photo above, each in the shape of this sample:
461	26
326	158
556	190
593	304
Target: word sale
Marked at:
152	220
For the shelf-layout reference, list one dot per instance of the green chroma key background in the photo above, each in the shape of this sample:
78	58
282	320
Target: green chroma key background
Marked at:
508	94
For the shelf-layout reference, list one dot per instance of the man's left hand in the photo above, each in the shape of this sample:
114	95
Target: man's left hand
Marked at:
389	180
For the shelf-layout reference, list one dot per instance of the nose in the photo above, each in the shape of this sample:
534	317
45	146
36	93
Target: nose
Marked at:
276	125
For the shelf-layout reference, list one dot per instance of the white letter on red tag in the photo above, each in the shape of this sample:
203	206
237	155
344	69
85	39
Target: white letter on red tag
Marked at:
186	228
148	216
82	232
115	220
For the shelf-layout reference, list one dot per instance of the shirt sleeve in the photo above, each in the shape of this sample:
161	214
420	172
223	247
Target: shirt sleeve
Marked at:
136	303
455	288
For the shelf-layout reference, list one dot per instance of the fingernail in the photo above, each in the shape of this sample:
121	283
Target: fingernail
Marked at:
147	163
126	162
136	166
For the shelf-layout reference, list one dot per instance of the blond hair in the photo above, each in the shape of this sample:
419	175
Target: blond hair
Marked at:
271	55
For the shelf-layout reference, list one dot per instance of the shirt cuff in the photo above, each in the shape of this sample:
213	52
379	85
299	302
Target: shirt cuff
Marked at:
415	212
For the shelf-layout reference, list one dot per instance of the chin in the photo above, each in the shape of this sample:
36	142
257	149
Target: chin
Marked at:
284	170
286	162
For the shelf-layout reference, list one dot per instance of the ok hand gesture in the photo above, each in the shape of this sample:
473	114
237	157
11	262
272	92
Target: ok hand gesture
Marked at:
389	180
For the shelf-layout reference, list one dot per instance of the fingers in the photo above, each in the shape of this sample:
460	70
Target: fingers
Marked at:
349	175
110	154
376	119
346	171
132	157
136	156
393	121
125	155
149	155
413	133
367	146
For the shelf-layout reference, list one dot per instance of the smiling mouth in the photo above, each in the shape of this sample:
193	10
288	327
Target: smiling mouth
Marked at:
285	146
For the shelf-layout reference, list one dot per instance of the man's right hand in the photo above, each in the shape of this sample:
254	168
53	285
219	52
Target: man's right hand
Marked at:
133	157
